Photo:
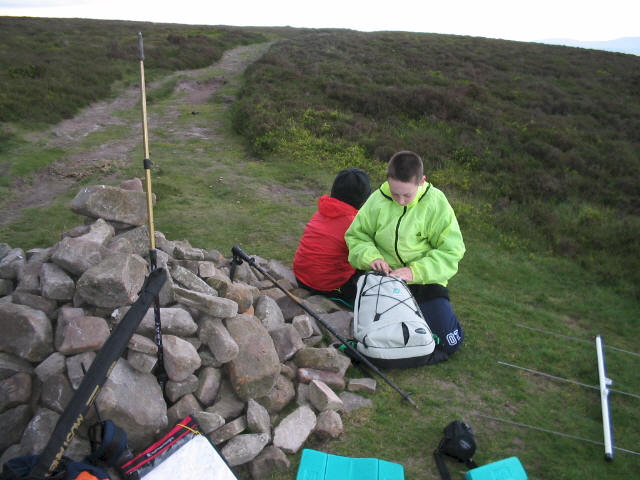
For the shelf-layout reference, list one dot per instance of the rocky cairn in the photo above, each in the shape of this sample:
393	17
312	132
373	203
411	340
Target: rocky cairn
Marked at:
256	371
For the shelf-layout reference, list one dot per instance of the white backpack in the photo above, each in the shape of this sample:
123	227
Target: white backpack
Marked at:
388	324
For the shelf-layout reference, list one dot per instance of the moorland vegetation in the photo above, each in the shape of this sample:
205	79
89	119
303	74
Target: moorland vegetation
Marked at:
537	148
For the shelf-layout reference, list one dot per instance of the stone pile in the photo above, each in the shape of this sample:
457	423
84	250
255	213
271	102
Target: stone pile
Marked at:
257	372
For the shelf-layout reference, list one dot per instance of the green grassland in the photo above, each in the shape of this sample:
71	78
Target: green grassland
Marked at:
536	147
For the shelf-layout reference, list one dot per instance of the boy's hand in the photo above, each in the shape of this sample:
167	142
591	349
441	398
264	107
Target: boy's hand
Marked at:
403	273
379	265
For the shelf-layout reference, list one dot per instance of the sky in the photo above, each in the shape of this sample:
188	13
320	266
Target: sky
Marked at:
585	20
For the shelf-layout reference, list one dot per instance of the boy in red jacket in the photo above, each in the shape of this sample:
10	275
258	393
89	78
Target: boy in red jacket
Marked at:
321	262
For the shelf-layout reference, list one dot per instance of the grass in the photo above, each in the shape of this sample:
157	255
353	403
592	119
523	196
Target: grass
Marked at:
215	192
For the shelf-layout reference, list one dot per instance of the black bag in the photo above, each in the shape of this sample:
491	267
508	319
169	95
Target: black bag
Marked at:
458	442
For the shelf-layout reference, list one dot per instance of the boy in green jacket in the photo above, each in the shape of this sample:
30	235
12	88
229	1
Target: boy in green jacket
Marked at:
407	229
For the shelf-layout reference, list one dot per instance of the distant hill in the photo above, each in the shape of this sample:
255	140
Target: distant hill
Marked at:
621	45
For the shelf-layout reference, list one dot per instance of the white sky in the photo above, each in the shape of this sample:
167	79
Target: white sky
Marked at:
593	20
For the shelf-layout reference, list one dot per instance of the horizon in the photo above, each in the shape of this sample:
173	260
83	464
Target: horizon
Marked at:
583	21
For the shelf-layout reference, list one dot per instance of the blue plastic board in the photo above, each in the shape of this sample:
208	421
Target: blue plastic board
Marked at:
315	465
507	469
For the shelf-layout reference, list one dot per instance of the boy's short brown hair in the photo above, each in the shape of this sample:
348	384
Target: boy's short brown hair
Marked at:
405	166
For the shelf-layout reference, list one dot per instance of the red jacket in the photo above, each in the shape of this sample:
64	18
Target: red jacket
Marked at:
321	259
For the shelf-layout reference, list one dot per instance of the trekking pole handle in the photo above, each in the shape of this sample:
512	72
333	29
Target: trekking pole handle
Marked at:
140	47
238	252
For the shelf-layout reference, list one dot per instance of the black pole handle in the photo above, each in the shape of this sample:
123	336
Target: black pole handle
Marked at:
238	252
140	47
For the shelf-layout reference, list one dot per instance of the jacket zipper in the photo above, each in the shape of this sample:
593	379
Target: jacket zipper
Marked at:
404	210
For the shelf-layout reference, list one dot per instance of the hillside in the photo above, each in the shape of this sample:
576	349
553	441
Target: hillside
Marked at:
513	133
539	141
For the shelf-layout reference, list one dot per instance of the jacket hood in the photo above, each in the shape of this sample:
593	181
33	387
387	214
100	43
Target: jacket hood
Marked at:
332	207
422	189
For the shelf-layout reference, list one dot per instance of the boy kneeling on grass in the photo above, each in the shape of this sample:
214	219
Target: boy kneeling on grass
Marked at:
408	230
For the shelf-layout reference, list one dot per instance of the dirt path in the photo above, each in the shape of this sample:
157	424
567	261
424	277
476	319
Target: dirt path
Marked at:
64	174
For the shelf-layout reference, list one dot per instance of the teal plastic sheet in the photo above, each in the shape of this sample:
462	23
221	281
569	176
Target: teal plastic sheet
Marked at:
315	465
507	469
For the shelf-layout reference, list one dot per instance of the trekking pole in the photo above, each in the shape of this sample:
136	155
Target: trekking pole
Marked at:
104	362
604	400
239	256
160	373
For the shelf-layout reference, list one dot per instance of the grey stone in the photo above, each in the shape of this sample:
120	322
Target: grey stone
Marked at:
340	322
114	282
282	272
76	365
269	313
227	403
239	293
14	422
180	358
289	308
76	255
29	280
112	204
208	421
184	251
279	396
322	359
206	269
333	379
134	241
258	420
352	401
207	304
56	393
26	333
302	323
6	287
11	364
142	362
244	448
12	263
287	341
220	342
253	373
54	364
187	405
268	462
329	425
227	431
37	302
175	321
81	334
99	232
208	386
138	343
175	390
134	400
294	429
15	390
191	281
55	283
367	385
39	430
322	397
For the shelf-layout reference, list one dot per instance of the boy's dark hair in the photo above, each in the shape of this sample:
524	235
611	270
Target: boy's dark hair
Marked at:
351	186
405	166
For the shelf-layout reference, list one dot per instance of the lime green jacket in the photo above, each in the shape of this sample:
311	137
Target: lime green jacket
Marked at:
423	235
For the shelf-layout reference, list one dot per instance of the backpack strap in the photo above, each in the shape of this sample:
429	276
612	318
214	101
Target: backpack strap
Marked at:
442	466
